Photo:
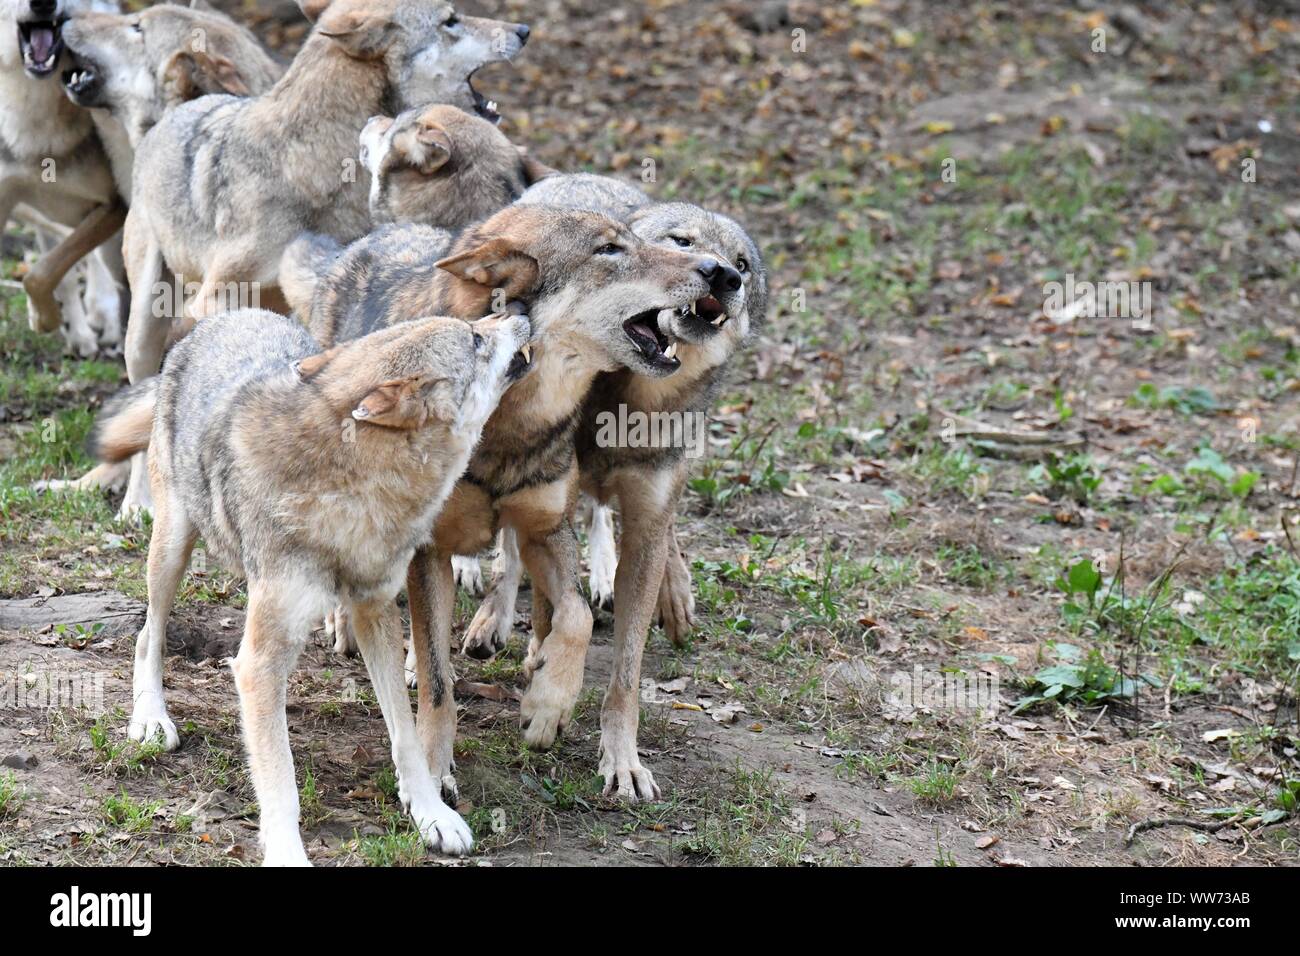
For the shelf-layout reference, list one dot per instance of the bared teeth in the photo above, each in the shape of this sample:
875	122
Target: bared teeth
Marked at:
720	320
671	351
527	353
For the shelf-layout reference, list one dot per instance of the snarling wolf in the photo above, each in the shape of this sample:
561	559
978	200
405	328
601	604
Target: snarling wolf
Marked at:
595	292
440	166
223	184
652	575
129	69
55	176
316	475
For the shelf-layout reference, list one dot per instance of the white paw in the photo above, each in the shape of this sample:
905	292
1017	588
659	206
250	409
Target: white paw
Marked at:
287	852
149	721
601	583
625	777
489	632
82	342
443	828
135	505
468	572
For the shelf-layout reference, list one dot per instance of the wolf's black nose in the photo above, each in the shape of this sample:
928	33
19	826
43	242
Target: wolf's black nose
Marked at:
722	278
44	8
522	32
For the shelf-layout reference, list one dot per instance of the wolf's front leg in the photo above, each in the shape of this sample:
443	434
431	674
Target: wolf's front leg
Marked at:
378	629
431	596
647	509
490	630
272	642
561	633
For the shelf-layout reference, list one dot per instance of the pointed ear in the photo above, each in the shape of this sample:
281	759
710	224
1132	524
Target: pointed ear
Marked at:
363	34
308	368
497	264
394	404
312	9
427	147
189	75
534	170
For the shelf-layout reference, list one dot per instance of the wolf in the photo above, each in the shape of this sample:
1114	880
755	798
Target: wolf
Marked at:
56	176
595	292
440	166
316	475
652	575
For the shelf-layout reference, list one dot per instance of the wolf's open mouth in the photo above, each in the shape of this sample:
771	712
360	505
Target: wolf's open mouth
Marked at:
41	43
485	107
654	346
710	310
520	363
82	84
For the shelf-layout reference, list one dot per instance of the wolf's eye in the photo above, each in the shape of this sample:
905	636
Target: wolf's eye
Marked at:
478	341
681	241
451	21
609	249
137	27
742	266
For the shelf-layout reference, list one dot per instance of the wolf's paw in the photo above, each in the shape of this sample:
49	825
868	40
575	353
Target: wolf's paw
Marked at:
626	777
149	721
489	632
338	625
602	588
443	829
135	506
547	706
81	342
285	851
676	605
468	572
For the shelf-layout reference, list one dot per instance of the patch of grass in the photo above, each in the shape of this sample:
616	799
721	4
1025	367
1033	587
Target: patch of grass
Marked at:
12	795
399	845
122	810
748	823
936	784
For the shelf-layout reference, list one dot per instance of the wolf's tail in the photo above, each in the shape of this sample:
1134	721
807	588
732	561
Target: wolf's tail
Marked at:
123	427
303	264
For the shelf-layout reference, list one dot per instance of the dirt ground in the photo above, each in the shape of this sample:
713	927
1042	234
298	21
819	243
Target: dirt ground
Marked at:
923	462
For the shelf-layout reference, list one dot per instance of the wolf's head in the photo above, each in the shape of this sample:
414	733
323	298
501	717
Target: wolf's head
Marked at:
430	52
593	287
440	165
733	311
435	372
138	65
40	30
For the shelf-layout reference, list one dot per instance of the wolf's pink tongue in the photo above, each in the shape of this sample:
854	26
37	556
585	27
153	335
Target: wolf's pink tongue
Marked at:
42	44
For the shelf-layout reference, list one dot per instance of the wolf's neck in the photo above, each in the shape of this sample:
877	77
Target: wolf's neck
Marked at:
37	121
325	98
556	387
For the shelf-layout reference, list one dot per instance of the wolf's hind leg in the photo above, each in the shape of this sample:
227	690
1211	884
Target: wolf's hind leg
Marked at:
169	553
494	621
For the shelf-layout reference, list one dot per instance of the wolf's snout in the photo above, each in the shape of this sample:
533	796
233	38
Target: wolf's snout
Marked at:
721	278
522	32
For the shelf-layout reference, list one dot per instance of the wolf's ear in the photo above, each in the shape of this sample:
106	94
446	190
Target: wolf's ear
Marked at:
363	34
308	368
534	170
312	9
203	6
427	147
497	264
189	75
394	404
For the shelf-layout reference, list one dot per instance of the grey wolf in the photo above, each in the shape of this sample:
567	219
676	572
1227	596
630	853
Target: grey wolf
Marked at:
441	166
293	153
595	292
316	475
55	175
652	576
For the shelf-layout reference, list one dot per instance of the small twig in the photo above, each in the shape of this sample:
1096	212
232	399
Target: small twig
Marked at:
1205	825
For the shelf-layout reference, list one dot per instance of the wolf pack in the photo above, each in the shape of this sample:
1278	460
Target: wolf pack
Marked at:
441	322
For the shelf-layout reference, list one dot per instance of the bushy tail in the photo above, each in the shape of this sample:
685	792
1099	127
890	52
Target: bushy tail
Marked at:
123	427
303	264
